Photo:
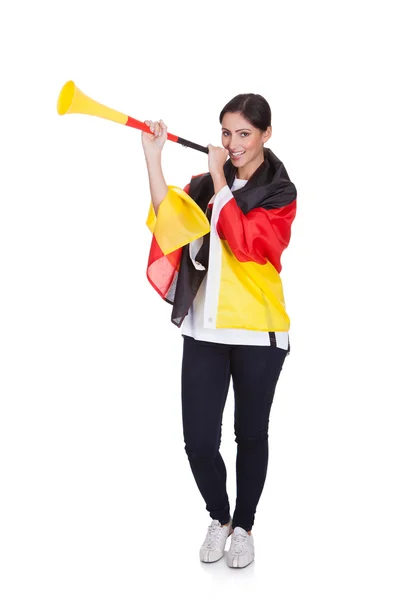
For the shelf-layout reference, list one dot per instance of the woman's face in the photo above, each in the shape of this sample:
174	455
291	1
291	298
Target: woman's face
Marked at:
243	140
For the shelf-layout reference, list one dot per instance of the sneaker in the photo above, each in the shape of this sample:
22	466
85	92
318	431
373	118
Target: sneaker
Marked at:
214	545
241	551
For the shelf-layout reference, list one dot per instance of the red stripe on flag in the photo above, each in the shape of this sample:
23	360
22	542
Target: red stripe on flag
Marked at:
161	268
259	236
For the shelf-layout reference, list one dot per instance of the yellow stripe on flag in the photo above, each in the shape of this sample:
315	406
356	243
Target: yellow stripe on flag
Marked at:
257	289
179	221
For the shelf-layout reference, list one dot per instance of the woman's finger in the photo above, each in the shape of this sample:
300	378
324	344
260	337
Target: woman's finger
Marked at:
157	129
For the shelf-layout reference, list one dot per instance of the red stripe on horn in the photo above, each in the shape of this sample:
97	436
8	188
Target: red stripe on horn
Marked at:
131	122
137	124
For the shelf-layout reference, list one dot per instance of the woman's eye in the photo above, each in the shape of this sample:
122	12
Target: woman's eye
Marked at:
243	133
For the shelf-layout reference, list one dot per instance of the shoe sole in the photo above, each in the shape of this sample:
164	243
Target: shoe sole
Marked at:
211	561
240	567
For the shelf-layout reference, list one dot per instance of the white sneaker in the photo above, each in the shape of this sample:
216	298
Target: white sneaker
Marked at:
214	545
241	551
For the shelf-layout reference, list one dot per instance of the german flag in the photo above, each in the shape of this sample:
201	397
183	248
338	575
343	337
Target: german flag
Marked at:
179	222
241	250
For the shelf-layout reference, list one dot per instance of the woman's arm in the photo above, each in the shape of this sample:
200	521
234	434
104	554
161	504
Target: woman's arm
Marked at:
259	236
153	144
174	218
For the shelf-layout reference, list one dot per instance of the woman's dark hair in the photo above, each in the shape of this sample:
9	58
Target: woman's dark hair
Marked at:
253	107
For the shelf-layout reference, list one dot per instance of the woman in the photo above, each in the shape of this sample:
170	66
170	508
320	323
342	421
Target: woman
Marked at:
215	256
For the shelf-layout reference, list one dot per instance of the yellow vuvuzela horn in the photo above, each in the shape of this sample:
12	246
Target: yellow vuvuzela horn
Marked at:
72	100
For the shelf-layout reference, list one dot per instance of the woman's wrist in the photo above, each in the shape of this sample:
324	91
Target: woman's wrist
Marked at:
219	181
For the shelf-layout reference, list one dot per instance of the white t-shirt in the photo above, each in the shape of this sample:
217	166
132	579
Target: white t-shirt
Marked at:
193	324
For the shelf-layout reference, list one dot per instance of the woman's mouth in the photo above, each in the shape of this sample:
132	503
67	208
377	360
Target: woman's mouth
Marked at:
236	155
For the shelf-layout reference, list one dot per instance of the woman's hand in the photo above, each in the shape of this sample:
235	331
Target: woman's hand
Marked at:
153	143
216	159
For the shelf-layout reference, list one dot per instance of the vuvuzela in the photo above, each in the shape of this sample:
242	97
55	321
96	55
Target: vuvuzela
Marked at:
72	100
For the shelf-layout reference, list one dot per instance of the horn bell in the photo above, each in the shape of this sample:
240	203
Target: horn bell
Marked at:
72	100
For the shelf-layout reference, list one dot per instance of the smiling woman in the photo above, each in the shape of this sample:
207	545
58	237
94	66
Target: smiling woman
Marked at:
216	257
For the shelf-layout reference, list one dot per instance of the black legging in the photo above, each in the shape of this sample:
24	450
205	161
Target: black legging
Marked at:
206	371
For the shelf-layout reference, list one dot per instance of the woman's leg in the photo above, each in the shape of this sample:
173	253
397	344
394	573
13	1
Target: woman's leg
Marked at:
255	373
205	385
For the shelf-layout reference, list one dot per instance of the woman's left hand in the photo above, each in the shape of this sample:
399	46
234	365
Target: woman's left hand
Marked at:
217	157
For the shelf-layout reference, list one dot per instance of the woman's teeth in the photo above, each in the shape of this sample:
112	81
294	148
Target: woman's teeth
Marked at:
236	154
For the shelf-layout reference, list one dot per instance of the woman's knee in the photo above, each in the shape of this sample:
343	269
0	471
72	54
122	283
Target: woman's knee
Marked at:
202	451
247	437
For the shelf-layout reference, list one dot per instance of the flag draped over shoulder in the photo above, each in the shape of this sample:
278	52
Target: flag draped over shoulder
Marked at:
179	222
252	226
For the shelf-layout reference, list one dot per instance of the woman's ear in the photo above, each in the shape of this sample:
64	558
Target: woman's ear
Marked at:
267	134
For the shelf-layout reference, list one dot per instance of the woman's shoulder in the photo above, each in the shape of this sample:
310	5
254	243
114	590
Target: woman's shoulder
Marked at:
200	175
200	186
199	180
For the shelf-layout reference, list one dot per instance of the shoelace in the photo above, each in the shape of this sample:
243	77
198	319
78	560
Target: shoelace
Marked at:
213	533
239	543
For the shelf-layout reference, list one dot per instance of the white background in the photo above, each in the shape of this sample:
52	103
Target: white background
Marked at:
97	497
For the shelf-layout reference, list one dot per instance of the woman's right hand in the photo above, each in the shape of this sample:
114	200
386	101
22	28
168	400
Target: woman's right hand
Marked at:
153	142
